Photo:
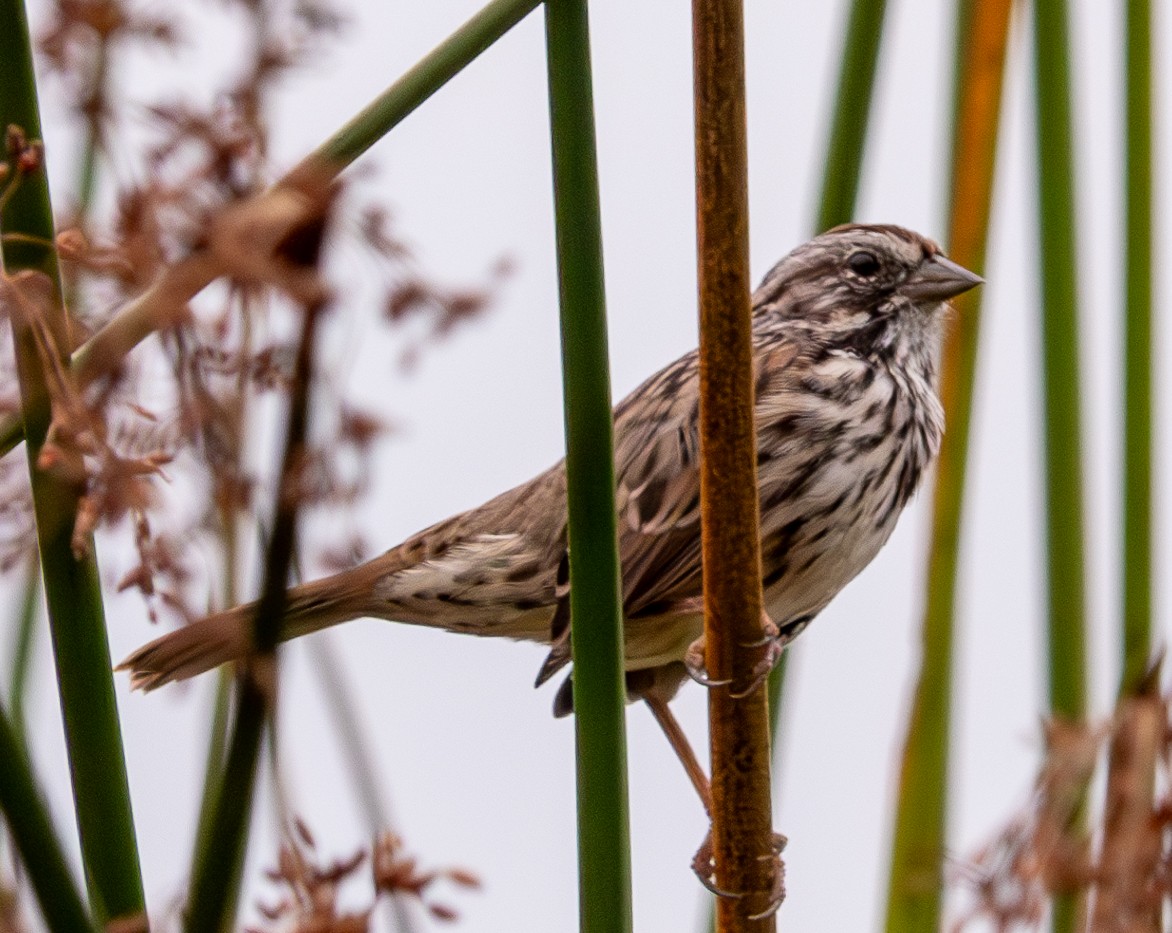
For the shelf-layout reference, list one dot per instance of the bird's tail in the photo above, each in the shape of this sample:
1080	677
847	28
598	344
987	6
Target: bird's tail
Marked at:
227	636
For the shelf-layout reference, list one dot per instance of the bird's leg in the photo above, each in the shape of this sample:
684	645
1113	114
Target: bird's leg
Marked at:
702	863
682	747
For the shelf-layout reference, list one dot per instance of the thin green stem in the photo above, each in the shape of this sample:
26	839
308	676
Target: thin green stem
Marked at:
346	718
217	752
840	181
218	863
446	61
1137	391
73	595
22	653
604	889
1059	301
1066	631
917	861
36	841
140	318
91	149
852	111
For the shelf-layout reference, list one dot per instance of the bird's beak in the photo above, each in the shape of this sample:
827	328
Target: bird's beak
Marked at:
938	279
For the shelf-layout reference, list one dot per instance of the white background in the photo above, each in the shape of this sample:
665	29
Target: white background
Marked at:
478	773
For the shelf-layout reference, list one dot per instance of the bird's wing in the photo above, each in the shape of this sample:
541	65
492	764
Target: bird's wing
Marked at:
658	460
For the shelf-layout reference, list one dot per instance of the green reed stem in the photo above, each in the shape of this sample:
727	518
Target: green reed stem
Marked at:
36	841
346	718
446	61
73	595
852	111
1059	301
604	867
217	753
22	652
130	326
1066	631
217	864
1132	762
918	848
840	181
1137	392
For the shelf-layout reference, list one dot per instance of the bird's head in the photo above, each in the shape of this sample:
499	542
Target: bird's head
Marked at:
871	288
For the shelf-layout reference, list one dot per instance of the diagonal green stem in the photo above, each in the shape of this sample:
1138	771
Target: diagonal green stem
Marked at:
22	652
604	889
134	323
73	596
32	831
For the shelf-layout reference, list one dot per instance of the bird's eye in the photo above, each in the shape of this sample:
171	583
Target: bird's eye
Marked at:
863	263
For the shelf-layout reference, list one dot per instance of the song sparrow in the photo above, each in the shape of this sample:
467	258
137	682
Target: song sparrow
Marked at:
846	337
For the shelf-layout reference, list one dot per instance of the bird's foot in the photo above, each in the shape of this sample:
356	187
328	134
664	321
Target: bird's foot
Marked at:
777	888
697	667
704	866
774	641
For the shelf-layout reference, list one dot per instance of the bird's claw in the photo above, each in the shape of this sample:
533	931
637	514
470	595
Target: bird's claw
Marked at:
704	866
774	642
777	890
695	665
705	869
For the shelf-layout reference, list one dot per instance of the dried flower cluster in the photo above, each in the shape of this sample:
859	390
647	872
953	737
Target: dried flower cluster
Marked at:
310	899
162	443
190	402
1122	867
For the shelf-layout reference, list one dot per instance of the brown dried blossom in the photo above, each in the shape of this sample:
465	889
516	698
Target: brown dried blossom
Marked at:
162	446
395	872
309	902
1123	866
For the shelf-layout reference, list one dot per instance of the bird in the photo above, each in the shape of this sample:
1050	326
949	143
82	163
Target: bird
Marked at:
846	333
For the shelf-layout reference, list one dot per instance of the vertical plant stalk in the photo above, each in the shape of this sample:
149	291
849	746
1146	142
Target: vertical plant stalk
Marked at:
1132	759
139	318
22	651
1066	630
1131	844
918	847
604	867
344	713
742	824
1137	392
73	596
217	864
840	184
852	111
36	841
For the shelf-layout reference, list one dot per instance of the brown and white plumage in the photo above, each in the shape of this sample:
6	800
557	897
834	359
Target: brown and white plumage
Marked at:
846	344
